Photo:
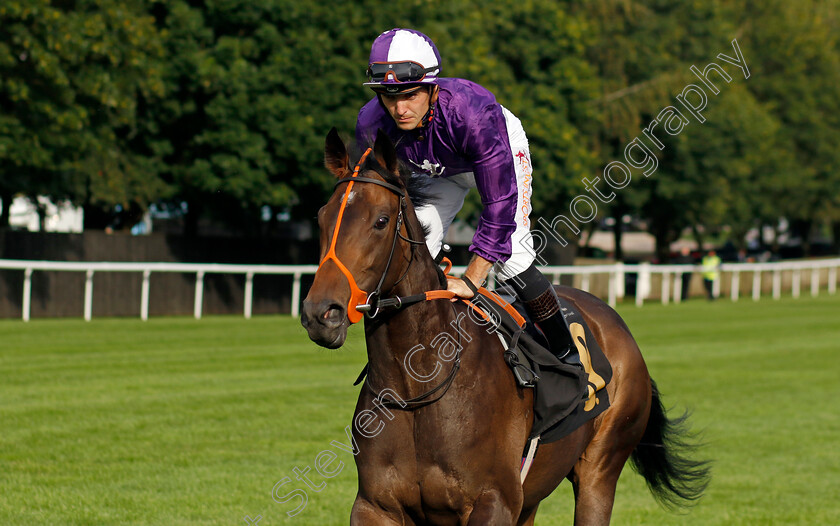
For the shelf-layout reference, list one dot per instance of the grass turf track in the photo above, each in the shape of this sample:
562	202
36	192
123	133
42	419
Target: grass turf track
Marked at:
182	422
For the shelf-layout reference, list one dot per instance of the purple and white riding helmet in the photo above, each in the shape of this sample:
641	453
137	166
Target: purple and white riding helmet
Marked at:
402	60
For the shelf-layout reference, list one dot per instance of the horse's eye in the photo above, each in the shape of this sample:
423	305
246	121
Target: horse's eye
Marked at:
381	223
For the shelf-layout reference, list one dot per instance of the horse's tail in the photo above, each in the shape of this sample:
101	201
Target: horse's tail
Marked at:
674	479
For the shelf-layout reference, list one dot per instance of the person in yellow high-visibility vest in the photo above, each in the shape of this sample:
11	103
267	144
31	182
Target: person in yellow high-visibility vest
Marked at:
711	268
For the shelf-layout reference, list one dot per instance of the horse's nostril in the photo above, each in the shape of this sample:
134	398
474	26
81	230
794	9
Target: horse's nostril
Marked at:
333	315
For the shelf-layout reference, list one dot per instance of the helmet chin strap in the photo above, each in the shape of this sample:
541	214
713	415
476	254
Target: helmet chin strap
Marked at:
433	97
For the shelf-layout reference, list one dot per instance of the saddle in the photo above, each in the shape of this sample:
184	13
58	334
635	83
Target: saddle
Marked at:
565	397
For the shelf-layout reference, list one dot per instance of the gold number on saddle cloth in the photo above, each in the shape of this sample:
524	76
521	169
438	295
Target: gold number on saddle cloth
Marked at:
579	336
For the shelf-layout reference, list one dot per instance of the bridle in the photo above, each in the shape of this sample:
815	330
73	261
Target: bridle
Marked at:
362	303
367	303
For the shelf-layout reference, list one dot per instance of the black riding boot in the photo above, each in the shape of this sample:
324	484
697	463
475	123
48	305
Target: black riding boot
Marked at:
540	300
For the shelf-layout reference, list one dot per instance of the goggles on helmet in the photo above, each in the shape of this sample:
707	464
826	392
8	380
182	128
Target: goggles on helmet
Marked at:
407	71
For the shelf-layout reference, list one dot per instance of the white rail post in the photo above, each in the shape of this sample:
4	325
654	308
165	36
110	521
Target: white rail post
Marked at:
612	292
716	285
556	279
249	294
199	294
735	284
642	283
815	282
296	295
797	277
777	284
144	296
27	293
666	283
88	295
678	286
832	280
619	280
756	286
584	281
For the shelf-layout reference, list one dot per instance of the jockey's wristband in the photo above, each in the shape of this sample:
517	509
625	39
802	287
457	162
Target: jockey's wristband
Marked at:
470	285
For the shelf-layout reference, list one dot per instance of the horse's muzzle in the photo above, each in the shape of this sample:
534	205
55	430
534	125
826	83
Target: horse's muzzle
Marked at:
325	322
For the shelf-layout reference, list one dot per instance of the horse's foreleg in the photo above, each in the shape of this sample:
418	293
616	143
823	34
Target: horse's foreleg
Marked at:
364	513
490	509
526	518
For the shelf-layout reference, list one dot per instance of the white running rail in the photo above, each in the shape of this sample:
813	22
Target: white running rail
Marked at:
669	282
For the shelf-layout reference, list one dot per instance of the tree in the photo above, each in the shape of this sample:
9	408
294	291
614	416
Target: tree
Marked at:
642	52
72	74
724	174
255	88
796	74
530	55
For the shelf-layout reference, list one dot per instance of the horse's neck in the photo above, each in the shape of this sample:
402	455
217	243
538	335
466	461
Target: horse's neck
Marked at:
397	337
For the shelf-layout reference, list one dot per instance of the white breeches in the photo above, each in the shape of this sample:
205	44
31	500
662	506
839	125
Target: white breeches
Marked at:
448	198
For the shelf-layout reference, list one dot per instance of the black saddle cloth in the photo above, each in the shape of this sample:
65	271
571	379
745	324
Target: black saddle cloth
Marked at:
565	397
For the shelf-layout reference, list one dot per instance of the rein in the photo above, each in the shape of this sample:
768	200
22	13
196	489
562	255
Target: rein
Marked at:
420	400
398	302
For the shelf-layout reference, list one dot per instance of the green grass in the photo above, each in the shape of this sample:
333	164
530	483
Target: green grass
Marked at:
176	421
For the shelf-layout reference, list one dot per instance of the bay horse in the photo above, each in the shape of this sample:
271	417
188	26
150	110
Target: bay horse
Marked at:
443	448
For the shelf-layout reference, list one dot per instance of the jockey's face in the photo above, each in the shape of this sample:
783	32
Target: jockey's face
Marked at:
407	110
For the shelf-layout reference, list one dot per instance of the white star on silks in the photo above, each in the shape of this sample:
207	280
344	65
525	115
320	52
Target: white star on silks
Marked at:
430	168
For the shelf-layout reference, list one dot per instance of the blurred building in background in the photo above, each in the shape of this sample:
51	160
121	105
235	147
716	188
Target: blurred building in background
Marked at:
57	217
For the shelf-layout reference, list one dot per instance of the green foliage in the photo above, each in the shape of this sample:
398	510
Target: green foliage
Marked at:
730	172
797	76
225	104
254	89
73	76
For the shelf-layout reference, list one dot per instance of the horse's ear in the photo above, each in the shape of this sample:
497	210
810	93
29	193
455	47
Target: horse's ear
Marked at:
385	153
335	154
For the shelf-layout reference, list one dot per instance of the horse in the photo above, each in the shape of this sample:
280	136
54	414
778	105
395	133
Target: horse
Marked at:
436	447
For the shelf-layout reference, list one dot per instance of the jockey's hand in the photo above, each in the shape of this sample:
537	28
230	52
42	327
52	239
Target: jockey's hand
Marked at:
476	272
460	289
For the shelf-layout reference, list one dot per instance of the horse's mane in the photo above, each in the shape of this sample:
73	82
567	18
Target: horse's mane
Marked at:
416	187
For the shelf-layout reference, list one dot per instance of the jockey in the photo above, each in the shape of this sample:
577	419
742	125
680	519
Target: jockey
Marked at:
454	131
